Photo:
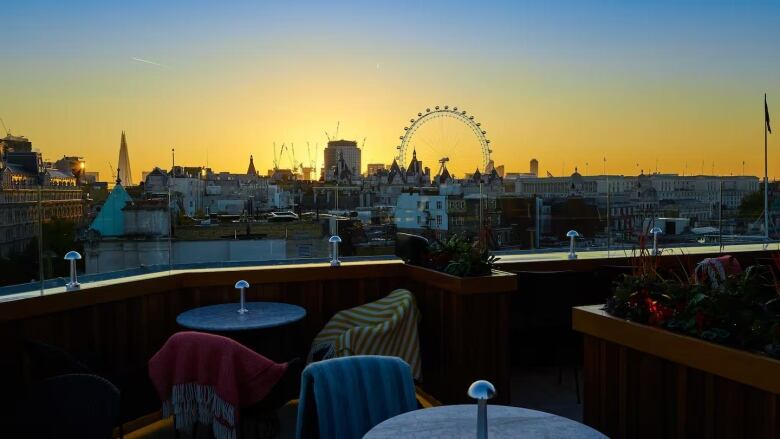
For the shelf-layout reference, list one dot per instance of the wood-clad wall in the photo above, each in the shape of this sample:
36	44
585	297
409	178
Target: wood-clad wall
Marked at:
632	394
121	325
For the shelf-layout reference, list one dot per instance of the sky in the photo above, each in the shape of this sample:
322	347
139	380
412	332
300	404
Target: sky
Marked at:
675	86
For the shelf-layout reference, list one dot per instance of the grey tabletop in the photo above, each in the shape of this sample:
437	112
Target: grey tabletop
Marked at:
225	317
460	421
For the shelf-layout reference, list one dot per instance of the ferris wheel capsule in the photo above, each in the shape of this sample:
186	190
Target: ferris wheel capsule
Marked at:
436	107
454	108
446	107
484	132
411	120
471	117
419	114
401	137
428	110
487	140
479	124
406	128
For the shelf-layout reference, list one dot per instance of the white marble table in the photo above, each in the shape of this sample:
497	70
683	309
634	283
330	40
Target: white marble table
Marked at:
460	421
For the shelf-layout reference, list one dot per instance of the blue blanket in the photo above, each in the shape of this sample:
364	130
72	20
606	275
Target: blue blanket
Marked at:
344	398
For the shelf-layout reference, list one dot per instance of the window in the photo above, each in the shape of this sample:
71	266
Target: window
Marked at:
438	204
438	220
304	251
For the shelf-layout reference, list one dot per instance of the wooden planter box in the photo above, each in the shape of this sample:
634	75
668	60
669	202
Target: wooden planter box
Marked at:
464	331
642	381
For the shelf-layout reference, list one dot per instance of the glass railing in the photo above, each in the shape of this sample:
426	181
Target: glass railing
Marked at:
193	218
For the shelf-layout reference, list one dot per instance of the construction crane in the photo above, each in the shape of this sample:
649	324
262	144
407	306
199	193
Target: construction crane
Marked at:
113	174
363	145
336	135
281	152
7	131
276	159
293	162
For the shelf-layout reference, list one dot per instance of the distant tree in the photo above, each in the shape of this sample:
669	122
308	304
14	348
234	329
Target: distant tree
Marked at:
59	237
752	205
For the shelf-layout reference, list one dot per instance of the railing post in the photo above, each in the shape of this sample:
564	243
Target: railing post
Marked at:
655	231
73	285
335	240
572	235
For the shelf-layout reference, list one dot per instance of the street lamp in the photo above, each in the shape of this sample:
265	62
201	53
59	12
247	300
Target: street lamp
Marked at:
572	235
72	256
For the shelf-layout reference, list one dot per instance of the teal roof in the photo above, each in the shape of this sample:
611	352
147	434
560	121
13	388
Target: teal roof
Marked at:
111	220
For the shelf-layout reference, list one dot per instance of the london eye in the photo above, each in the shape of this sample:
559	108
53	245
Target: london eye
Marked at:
468	137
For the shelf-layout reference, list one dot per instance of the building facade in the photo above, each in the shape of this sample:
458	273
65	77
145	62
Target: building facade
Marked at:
346	148
31	193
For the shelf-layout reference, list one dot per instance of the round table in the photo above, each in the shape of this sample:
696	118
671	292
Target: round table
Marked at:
269	328
460	421
225	317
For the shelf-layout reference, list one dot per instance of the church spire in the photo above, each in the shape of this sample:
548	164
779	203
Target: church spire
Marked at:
251	170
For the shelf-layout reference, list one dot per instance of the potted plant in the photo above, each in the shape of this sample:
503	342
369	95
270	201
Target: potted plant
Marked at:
740	309
459	257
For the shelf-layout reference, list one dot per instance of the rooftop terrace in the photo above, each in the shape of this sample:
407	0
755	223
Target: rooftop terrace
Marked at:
513	328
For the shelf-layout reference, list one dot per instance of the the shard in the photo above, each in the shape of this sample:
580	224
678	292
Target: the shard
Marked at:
123	173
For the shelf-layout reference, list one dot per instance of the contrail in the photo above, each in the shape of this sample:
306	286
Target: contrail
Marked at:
148	62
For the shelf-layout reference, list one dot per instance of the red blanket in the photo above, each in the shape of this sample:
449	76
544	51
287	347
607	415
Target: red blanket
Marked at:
207	378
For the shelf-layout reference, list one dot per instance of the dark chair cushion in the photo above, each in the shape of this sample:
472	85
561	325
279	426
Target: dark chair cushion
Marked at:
73	405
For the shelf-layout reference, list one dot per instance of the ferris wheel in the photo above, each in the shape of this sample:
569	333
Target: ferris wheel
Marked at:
437	112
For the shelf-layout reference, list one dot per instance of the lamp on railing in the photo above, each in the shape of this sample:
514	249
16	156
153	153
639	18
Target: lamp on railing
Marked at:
656	231
482	391
242	285
334	242
572	235
72	256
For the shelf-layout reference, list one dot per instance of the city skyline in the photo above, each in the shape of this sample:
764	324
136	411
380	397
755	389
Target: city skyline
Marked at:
672	83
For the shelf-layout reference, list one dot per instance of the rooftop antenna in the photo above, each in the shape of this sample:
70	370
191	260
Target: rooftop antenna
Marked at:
7	131
336	136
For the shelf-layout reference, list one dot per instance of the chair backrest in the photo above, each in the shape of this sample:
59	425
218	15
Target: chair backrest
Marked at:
46	361
345	397
73	405
411	248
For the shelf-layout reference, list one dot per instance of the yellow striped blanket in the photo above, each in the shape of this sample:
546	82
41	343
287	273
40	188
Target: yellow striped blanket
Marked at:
385	327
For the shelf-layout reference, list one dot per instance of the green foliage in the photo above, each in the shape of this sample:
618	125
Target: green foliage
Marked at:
752	205
459	257
743	311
